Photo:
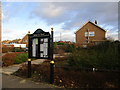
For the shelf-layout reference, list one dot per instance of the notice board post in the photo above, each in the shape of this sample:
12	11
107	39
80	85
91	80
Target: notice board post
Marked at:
38	47
52	61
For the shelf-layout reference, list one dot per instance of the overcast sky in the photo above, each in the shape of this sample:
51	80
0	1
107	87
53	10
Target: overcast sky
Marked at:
64	17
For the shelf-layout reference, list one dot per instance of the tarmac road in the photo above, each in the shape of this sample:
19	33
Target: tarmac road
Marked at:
10	81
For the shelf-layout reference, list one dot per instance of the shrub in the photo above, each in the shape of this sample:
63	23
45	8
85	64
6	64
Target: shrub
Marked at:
59	43
8	59
69	48
12	49
7	49
17	49
103	56
21	57
64	48
14	58
80	59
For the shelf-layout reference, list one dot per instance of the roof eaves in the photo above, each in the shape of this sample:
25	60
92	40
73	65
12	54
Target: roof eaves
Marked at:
81	27
98	26
93	24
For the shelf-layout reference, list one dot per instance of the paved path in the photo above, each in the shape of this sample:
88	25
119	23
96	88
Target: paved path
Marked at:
10	81
13	68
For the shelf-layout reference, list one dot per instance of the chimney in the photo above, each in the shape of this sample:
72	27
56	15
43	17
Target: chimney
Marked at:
28	32
95	21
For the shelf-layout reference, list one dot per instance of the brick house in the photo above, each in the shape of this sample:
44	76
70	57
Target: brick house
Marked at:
6	41
90	34
24	40
14	41
17	42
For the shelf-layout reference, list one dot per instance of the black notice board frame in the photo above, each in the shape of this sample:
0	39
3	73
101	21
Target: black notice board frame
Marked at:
40	35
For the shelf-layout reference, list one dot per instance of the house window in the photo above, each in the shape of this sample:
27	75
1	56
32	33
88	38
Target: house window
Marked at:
86	34
89	34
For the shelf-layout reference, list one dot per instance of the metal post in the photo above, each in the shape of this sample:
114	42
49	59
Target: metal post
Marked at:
29	68
52	61
29	60
51	44
51	72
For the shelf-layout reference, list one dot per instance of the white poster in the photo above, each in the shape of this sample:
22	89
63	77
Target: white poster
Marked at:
35	41
44	48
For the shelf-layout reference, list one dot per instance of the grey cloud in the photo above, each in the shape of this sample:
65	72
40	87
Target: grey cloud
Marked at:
104	13
77	13
51	13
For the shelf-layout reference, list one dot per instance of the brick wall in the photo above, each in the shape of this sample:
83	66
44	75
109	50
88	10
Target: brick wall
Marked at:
80	34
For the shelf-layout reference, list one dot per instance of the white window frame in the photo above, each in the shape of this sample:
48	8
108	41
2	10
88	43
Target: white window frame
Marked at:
91	34
86	34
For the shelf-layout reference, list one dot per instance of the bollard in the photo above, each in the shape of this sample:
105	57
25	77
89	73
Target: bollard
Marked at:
29	68
51	72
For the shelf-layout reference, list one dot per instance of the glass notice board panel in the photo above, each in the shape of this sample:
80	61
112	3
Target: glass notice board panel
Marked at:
39	44
34	47
44	47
